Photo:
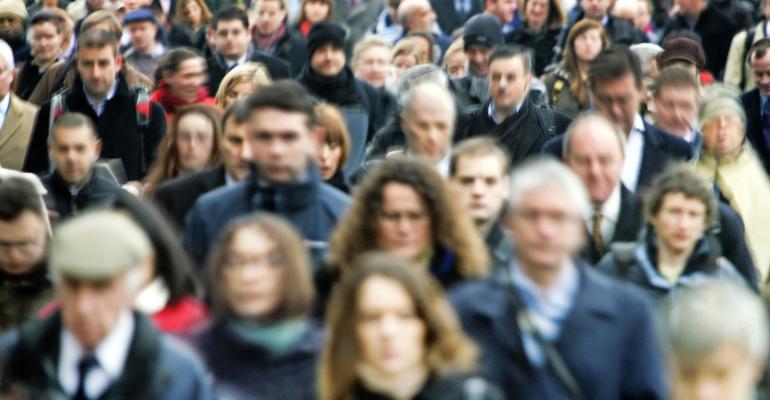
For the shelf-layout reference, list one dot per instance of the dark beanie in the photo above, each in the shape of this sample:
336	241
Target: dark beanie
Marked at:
682	49
324	33
482	29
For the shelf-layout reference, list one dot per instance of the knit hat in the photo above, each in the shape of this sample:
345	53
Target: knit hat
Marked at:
140	15
484	30
323	33
682	49
13	7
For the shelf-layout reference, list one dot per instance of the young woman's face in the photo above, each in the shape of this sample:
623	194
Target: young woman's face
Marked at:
328	158
404	225
390	334
316	11
237	91
192	13
194	142
588	45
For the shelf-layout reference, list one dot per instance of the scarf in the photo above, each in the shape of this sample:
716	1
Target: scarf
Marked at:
340	90
275	338
171	103
304	28
268	43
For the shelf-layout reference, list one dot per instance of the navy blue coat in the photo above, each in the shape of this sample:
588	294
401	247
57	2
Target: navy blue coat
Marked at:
752	105
607	341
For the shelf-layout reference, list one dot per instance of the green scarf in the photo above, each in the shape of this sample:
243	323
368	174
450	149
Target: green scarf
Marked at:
276	338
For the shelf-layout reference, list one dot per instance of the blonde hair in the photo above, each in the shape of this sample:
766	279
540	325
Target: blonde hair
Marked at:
250	72
369	42
408	47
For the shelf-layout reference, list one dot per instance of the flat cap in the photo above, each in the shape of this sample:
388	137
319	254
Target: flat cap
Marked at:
13	7
97	245
140	15
682	49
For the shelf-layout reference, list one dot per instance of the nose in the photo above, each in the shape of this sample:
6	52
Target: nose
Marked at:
84	302
389	326
404	226
478	188
245	152
324	154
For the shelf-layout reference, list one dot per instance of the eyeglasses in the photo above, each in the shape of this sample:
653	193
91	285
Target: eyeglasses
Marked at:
239	262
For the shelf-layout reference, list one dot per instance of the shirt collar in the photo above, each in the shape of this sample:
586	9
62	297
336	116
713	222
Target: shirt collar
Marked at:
97	105
610	209
558	297
491	111
638	123
5	104
111	353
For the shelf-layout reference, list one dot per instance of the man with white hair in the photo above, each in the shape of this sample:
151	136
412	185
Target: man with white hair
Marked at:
553	327
418	16
17	117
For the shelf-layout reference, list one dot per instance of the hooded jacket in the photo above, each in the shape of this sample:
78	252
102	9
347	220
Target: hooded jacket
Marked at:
95	192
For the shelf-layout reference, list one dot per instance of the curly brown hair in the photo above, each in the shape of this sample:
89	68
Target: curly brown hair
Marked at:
451	225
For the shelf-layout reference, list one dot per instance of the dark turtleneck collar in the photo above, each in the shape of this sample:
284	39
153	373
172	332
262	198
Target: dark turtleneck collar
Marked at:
341	89
284	196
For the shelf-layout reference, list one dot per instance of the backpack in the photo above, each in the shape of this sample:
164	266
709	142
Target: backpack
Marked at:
547	121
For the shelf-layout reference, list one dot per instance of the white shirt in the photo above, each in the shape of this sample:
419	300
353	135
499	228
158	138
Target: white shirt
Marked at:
111	354
99	106
442	166
4	105
610	211
634	150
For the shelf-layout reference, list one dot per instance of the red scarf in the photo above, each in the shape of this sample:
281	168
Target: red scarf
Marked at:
304	27
171	103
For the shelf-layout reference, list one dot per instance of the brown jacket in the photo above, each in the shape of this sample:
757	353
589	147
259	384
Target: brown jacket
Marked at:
15	133
49	83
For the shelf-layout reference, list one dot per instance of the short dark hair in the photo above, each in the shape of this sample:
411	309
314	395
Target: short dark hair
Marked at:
758	49
285	95
172	61
44	16
510	51
237	111
614	63
72	120
97	39
230	13
680	178
16	196
481	146
674	76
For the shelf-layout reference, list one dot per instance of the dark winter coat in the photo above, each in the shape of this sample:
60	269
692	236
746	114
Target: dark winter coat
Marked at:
752	105
95	192
21	297
541	43
177	196
560	95
292	48
29	76
500	249
453	387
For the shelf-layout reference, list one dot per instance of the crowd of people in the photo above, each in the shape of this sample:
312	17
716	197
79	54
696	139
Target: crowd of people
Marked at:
384	199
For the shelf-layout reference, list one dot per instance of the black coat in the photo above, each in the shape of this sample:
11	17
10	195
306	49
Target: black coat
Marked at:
716	31
447	16
292	48
177	196
541	43
97	191
660	149
630	221
217	68
22	296
453	387
117	128
470	90
752	105
28	78
181	36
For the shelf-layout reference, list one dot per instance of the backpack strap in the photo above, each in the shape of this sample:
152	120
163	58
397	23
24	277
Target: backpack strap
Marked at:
623	257
547	121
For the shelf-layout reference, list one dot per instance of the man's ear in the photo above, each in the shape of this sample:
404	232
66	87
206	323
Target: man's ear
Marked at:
118	62
97	149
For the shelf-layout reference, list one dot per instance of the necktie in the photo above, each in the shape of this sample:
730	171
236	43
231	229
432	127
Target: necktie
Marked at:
84	367
596	232
765	121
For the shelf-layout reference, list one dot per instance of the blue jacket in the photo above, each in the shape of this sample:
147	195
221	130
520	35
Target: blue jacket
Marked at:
312	206
607	341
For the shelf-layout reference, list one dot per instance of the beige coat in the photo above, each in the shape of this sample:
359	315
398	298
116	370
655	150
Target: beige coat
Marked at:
15	133
736	62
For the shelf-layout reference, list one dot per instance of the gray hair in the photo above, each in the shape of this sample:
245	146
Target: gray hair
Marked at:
547	172
646	53
6	54
585	118
419	74
698	319
435	92
720	105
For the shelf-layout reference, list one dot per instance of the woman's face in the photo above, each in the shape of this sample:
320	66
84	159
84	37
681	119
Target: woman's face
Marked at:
403	62
328	158
456	64
536	12
390	334
588	45
723	135
252	275
192	13
316	11
404	225
237	91
194	141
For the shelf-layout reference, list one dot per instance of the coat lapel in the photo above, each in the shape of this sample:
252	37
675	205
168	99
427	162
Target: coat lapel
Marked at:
12	122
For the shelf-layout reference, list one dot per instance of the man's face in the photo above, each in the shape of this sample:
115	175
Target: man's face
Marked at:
98	68
328	60
373	66
22	243
618	100
508	82
429	126
595	9
503	9
236	152
483	184
281	144
679	223
188	80
547	228
142	34
690	8
423	18
11	27
270	16
74	151
596	158
760	66
45	41
676	108
478	57
232	39
728	372
91	309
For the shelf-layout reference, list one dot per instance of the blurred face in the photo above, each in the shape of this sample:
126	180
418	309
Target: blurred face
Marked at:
232	39
252	274
22	243
723	135
508	82
389	332
596	157
142	34
91	309
373	66
74	151
588	45
537	12
428	127
725	373
618	100
483	184
676	108
281	144
328	158
403	62
193	13
316	11
478	57
187	81
690	8
45	41
98	69
456	65
547	228
502	9
236	152
11	27
328	60
595	9
642	18
194	142
270	16
403	226
760	66
423	18
679	223
237	91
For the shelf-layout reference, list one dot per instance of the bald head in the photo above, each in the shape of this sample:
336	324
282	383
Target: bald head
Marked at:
593	149
427	118
416	15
